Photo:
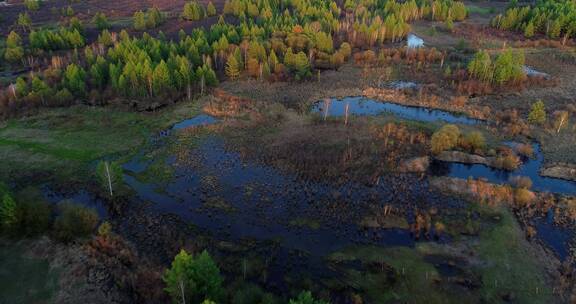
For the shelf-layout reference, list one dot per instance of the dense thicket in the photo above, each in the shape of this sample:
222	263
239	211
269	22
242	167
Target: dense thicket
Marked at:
507	67
554	18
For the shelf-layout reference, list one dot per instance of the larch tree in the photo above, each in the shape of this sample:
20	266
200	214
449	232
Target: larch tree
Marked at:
177	279
139	20
75	80
14	50
537	113
8	216
193	279
210	9
232	68
161	80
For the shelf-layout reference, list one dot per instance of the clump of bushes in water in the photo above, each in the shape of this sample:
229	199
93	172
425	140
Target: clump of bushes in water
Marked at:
449	137
31	216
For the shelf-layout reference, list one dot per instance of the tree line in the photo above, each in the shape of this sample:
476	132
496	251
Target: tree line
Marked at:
273	40
553	18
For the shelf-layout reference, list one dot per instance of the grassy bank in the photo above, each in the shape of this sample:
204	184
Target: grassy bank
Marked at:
64	142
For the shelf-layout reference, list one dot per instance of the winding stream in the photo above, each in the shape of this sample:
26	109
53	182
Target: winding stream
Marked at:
221	193
530	167
369	107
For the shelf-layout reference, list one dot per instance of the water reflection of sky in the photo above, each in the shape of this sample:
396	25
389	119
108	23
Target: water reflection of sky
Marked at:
365	107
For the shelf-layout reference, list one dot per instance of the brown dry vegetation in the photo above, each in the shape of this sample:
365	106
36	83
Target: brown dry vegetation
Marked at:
122	10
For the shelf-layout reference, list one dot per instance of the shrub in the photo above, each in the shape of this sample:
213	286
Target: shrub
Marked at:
104	229
523	197
537	113
194	278
507	162
445	139
14	51
252	293
34	217
475	140
24	21
74	221
8	217
64	97
521	182
305	297
101	21
193	11
525	150
32	4
210	9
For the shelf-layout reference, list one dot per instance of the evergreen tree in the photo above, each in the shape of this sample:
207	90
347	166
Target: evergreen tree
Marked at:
101	21
40	88
305	297
555	29
162	82
508	67
324	42
154	18
14	50
75	80
537	113
193	11
179	285
211	9
301	66
32	5
232	68
481	66
139	20
8	216
24	21
21	87
105	38
193	279
529	30
449	24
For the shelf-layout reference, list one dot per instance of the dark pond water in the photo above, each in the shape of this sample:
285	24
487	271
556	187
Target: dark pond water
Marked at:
367	107
555	237
223	194
217	190
199	120
81	197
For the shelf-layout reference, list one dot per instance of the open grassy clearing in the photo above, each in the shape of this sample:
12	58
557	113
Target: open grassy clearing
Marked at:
63	141
499	260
